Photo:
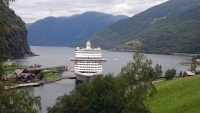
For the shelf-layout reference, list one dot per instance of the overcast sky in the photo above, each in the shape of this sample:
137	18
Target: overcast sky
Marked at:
33	10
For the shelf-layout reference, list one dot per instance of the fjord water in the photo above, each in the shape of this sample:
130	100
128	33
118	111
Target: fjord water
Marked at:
56	56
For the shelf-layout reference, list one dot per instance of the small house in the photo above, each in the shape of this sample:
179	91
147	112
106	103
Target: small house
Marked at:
35	70
18	72
23	74
27	76
188	73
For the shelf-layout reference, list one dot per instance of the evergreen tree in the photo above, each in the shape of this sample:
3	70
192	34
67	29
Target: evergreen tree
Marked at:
158	71
180	74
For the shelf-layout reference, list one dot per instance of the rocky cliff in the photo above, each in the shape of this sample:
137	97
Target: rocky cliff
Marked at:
15	41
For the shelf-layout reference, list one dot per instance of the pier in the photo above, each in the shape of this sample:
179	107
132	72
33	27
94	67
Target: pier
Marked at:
28	84
68	75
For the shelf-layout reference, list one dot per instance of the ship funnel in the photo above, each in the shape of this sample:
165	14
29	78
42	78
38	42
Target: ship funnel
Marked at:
88	45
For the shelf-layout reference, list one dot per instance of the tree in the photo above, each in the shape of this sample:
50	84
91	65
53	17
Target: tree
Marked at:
169	74
139	83
180	74
18	100
103	95
158	71
100	95
41	76
7	2
193	66
194	57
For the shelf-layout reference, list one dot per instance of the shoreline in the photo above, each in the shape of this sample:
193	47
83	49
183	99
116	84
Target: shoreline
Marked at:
183	54
9	62
39	83
170	53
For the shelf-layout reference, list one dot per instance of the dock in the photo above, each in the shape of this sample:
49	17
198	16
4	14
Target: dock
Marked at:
25	85
68	75
28	84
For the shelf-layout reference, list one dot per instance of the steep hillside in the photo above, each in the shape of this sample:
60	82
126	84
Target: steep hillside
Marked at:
66	31
28	25
168	27
177	96
15	41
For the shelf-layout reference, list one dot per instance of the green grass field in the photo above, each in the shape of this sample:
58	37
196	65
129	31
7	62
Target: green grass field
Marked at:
180	95
50	77
6	72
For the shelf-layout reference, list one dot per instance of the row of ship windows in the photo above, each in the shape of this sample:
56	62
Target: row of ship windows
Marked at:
88	67
89	70
87	64
88	53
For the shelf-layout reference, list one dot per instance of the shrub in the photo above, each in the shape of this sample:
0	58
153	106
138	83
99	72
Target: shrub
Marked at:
169	74
197	72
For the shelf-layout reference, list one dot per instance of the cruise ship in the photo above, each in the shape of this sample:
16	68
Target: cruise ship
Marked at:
87	62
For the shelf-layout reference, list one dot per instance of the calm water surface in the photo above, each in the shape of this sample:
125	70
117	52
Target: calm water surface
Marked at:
56	56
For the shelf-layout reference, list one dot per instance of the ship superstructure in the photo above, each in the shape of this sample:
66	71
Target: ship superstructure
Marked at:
87	62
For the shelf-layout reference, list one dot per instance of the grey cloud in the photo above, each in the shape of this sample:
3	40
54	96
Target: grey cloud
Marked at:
34	10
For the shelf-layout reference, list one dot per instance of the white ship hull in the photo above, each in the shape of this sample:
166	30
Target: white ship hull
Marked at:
84	77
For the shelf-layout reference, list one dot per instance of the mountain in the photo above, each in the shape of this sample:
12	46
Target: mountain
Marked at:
172	26
14	40
28	25
67	31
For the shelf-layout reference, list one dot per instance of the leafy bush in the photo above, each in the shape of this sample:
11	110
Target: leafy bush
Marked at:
197	72
169	74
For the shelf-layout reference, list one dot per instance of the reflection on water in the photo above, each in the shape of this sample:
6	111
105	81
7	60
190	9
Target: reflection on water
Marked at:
56	56
50	91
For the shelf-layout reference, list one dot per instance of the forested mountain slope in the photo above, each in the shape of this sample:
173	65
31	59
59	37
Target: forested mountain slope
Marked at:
66	31
172	26
15	41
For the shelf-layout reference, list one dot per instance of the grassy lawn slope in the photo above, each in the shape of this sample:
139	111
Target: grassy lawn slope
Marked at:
181	95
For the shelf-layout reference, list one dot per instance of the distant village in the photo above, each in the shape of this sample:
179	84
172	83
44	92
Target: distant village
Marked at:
30	74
